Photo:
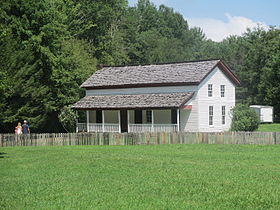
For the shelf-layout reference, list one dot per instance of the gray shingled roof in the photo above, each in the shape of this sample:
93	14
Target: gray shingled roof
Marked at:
166	100
190	72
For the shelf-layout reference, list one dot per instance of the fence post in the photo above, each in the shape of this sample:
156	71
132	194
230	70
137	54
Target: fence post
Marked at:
2	140
274	137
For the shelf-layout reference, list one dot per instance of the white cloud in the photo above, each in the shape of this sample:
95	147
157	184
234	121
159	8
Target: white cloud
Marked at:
155	2
217	30
159	2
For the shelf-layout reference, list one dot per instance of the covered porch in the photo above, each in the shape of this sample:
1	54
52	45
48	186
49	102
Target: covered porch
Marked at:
165	120
132	113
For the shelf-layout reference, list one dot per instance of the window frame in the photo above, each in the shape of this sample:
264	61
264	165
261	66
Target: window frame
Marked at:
149	116
210	90
223	90
211	115
223	115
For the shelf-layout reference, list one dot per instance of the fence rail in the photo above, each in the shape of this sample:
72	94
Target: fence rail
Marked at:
142	128
61	139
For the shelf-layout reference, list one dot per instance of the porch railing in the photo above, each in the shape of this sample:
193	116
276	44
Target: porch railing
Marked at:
136	128
81	127
133	128
111	127
165	127
95	127
98	127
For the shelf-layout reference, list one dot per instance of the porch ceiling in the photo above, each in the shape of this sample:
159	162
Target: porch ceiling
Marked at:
139	101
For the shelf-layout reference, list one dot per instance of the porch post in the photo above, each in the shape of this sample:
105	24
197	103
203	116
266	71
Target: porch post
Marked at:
119	117
103	126
87	121
128	124
178	120
152	120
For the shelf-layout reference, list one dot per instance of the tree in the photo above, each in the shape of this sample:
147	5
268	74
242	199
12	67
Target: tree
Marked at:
48	66
255	56
159	35
99	23
269	86
244	119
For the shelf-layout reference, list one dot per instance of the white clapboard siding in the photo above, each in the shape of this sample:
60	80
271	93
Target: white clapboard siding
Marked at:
216	78
124	91
189	118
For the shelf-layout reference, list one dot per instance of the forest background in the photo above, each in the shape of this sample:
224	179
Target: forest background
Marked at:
49	47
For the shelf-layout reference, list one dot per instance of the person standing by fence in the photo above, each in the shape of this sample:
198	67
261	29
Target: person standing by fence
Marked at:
25	127
18	129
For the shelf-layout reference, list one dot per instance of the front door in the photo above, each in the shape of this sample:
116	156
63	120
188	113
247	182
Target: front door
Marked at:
124	121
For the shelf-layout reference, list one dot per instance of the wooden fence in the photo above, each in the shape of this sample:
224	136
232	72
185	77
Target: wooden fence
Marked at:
66	139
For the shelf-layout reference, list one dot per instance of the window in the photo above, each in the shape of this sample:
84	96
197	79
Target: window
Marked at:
138	116
210	115
174	116
223	115
222	90
98	116
210	90
149	116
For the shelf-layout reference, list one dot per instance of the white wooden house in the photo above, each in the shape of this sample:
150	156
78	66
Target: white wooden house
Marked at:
191	96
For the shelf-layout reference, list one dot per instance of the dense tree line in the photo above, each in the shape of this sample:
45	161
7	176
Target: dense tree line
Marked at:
48	48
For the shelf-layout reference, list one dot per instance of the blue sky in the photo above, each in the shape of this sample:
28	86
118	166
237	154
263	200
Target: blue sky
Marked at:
221	18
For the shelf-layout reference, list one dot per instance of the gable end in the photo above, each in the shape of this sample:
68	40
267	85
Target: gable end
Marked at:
226	70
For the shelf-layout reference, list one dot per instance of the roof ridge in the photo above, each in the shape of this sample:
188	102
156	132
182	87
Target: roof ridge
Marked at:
156	64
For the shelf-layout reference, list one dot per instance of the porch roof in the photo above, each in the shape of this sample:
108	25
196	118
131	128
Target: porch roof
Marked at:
139	101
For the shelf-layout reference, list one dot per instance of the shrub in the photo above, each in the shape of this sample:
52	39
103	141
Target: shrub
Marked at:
244	119
67	118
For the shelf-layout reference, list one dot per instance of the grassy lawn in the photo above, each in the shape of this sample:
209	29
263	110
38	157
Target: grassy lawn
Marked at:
269	127
140	177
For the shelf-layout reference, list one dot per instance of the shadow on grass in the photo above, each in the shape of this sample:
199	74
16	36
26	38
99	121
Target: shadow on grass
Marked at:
2	154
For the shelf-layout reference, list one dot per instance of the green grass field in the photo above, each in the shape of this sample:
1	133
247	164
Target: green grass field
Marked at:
141	177
275	127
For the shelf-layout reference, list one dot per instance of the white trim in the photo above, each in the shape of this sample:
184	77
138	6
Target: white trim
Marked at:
128	122
87	121
119	118
77	128
103	118
152	120
178	120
